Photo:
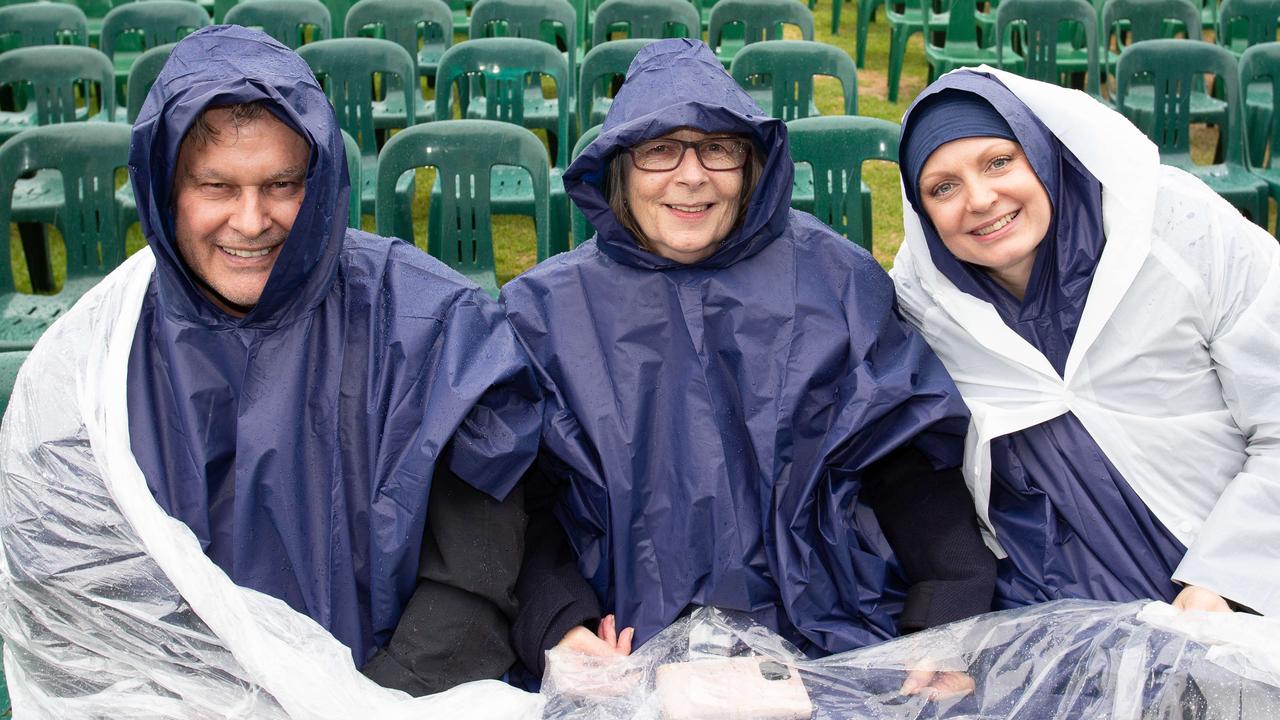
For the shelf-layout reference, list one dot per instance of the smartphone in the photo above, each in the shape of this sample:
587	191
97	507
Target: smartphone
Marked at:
748	688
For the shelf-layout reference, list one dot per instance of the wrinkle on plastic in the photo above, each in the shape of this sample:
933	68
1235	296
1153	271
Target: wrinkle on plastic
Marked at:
109	607
1064	660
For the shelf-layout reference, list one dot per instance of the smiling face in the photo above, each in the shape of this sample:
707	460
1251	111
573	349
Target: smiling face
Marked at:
683	213
988	206
236	194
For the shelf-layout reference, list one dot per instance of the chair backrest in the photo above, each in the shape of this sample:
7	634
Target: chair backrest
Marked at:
88	156
43	23
156	22
53	71
1149	19
352	151
411	24
962	24
346	68
284	20
1261	63
1174	68
836	146
760	19
1042	22
142	75
600	66
10	362
646	19
791	66
1245	23
582	228
504	65
463	174
554	21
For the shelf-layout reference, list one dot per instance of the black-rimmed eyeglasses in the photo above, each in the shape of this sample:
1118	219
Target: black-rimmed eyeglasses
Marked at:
722	153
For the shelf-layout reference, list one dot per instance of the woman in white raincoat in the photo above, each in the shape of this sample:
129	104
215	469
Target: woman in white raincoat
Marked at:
1114	326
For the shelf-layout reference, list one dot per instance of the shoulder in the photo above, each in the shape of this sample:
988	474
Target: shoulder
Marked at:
842	265
403	278
557	273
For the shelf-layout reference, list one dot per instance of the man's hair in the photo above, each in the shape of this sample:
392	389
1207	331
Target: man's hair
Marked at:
203	131
615	192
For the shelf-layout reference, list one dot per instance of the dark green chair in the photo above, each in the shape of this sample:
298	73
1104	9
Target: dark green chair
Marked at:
292	22
95	11
603	68
461	10
1245	23
131	29
338	10
1171	66
10	362
42	23
88	156
866	12
906	18
352	150
347	68
831	150
220	8
1260	64
779	75
501	68
758	20
424	28
582	229
960	44
460	226
141	77
47	77
1040	26
646	19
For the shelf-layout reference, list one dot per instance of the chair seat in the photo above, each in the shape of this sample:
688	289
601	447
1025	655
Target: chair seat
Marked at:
764	98
389	113
803	196
369	186
1139	105
539	112
944	60
1236	184
1258	105
23	317
38	198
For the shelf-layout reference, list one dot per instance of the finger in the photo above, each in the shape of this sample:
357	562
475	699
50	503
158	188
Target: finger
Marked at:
610	635
916	680
624	641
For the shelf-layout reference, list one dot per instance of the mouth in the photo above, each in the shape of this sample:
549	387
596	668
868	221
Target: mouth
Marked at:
692	210
248	254
998	224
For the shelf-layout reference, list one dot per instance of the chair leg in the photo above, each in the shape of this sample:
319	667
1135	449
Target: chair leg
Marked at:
835	16
35	245
898	37
865	10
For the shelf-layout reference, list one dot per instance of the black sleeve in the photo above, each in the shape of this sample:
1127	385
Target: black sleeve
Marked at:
456	626
554	597
928	517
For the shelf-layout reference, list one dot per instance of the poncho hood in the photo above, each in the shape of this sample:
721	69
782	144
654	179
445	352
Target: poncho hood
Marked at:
675	84
225	65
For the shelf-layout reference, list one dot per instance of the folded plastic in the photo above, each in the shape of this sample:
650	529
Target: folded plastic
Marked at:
1068	659
108	606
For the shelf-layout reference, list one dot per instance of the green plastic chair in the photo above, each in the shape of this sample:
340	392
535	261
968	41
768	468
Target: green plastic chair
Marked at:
1245	23
1261	64
1041	24
758	19
10	362
95	11
461	10
346	67
646	19
582	228
50	75
790	66
1172	65
288	21
866	13
131	29
142	76
87	155
833	148
460	228
220	8
424	28
352	150
42	23
338	10
960	46
601	66
906	18
501	68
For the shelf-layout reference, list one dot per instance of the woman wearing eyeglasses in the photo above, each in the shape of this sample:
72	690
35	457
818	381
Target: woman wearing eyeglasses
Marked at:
739	418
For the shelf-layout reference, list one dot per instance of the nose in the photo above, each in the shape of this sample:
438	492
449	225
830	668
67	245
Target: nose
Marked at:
981	196
250	217
690	170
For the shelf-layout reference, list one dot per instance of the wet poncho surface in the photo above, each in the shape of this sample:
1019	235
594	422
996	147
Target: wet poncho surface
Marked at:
712	422
298	443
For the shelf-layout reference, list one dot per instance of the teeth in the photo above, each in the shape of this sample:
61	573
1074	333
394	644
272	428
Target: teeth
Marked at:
690	208
246	253
996	225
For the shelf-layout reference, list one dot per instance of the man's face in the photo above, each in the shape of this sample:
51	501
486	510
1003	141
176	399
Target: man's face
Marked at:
235	199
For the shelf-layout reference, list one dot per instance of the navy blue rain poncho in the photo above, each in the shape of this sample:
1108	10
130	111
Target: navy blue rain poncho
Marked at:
299	442
713	421
1072	526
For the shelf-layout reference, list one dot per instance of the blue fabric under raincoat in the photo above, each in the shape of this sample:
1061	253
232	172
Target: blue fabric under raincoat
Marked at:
712	422
299	442
1071	524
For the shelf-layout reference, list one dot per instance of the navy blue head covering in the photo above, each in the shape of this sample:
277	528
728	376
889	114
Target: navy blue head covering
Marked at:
973	104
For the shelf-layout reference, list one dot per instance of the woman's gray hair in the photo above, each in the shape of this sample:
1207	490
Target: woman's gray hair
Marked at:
615	191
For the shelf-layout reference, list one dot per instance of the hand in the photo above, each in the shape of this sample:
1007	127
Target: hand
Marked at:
604	642
1194	597
938	685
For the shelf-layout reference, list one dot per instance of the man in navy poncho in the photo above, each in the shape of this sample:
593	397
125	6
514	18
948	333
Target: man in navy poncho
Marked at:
755	430
298	391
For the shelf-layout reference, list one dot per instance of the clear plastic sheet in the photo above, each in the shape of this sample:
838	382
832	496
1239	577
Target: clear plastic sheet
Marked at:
108	606
1067	660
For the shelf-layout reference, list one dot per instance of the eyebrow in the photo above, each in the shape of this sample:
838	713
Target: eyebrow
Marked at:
988	149
210	175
